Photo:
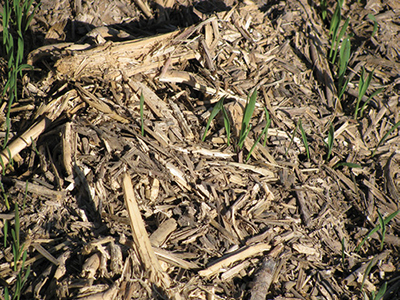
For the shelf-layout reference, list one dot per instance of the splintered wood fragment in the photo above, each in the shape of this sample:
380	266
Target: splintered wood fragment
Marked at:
23	141
157	106
39	248
159	236
361	270
140	237
106	295
231	258
172	259
263	279
144	55
305	213
255	169
68	143
93	101
190	79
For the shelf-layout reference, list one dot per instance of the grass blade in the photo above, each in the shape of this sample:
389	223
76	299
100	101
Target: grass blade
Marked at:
383	229
385	137
268	123
331	138
369	98
304	138
381	292
217	108
263	133
248	113
367	271
385	222
373	19
227	125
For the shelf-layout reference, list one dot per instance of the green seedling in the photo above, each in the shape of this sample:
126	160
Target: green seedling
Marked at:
217	108
373	19
380	226
15	18
367	271
343	62
380	293
263	133
323	7
383	229
385	137
331	138
142	113
291	139
304	138
336	40
267	125
362	89
248	113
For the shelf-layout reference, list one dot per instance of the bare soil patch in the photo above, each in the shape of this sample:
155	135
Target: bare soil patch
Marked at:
109	213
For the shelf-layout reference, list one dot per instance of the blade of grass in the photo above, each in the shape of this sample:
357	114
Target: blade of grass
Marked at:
385	222
367	271
383	229
217	108
227	125
291	139
263	133
331	138
373	19
248	113
267	125
381	292
339	38
304	138
369	98
385	137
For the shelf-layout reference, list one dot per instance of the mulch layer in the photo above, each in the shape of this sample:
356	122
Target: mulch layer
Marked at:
111	207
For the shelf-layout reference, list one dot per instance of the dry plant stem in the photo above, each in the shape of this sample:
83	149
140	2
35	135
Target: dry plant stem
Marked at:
229	259
140	237
25	140
303	208
263	279
353	276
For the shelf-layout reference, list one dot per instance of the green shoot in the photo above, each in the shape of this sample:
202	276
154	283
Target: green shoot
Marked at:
331	138
385	137
19	10
248	113
385	222
343	61
362	89
339	38
268	123
373	19
367	271
142	113
323	9
217	108
263	133
383	229
291	139
369	98
380	293
304	138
